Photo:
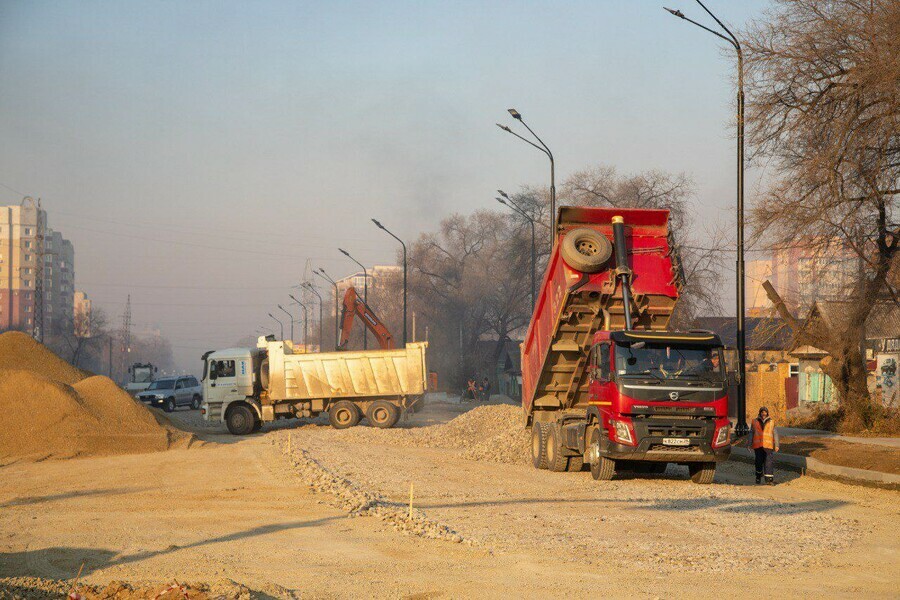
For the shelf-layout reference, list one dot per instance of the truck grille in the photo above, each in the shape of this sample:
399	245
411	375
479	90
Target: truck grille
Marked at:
680	431
674	449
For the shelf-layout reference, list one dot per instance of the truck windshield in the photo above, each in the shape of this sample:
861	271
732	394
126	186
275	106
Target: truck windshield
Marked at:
142	375
162	384
670	361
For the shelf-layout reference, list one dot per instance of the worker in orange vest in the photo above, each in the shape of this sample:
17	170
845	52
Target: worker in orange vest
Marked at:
764	441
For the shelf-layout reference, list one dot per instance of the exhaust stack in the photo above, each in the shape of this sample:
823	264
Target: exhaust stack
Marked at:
623	273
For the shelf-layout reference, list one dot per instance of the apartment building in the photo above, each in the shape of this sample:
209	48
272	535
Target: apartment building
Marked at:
20	254
378	277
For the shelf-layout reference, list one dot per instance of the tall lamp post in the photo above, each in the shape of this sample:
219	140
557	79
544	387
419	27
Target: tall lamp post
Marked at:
321	273
311	288
365	293
385	229
507	201
543	148
742	428
305	320
290	320
280	324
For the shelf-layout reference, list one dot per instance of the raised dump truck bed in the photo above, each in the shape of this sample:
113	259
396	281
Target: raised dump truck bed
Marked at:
573	304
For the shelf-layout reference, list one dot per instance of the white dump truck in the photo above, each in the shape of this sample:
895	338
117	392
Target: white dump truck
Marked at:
245	387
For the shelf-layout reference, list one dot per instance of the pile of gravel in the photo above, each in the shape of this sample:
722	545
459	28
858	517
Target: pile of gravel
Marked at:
492	433
36	588
359	502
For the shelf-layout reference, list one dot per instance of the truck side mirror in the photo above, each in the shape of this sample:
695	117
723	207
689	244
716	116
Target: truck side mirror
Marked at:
212	371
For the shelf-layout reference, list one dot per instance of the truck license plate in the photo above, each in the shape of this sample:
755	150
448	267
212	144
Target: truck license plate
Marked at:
676	442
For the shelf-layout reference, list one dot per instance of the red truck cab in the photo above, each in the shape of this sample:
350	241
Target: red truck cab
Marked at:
659	397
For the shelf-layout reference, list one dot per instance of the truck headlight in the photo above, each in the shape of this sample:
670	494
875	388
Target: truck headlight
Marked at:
723	436
623	433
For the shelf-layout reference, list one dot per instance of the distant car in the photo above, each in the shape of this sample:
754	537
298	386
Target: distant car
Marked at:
172	392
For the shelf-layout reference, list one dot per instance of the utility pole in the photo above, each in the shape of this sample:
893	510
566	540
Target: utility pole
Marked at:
126	331
321	273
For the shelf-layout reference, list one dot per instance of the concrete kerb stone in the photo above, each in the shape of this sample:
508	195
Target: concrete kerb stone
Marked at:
811	465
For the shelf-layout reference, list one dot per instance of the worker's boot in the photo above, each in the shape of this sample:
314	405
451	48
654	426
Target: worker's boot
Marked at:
770	480
758	479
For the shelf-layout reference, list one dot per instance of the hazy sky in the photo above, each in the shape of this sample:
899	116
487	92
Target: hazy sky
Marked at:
198	153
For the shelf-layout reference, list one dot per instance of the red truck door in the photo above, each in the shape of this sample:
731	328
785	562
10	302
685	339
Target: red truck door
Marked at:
602	390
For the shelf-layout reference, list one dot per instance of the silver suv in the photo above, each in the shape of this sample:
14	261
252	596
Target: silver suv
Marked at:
172	392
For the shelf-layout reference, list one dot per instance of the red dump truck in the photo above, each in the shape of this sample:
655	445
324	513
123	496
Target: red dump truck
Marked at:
604	382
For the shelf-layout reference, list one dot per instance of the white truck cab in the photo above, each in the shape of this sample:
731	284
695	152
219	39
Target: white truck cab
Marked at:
229	375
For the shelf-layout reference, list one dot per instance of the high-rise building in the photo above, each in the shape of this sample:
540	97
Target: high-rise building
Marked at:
20	258
83	314
801	274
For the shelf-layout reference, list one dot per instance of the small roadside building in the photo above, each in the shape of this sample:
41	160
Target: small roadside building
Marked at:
882	344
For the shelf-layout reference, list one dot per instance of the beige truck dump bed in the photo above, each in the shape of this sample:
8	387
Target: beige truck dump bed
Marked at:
353	374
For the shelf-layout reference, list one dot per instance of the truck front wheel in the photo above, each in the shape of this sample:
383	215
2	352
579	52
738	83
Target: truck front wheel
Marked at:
538	446
602	468
702	473
240	420
343	414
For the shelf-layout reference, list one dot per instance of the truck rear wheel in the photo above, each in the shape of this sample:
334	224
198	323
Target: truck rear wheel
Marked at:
702	473
240	420
538	446
576	464
585	250
602	468
383	414
343	414
556	460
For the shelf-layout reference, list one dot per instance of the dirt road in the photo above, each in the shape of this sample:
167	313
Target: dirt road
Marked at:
242	509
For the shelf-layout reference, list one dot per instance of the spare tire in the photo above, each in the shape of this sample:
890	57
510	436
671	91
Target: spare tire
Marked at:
264	374
585	250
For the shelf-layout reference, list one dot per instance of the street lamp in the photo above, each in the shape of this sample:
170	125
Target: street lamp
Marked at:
280	324
543	148
365	294
310	287
290	318
385	229
741	428
321	273
305	319
507	201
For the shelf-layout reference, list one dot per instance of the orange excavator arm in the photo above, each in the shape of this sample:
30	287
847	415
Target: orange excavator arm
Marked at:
353	306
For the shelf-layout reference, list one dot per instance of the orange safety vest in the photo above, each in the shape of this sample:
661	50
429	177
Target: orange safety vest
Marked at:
764	435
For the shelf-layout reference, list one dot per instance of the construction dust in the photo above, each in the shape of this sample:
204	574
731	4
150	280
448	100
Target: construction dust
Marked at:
52	410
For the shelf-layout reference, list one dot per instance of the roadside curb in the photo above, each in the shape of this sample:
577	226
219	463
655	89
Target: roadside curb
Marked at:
811	465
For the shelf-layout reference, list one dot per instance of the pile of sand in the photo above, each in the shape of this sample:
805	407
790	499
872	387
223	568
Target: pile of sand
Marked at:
20	351
52	410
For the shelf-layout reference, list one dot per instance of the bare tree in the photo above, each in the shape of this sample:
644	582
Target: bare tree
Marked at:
468	283
823	82
700	253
